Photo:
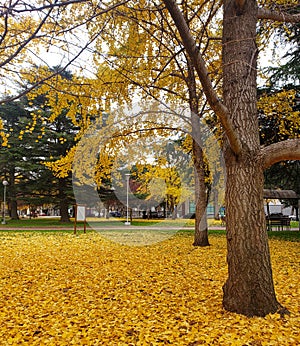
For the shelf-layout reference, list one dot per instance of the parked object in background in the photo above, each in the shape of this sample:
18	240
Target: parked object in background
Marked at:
279	221
115	214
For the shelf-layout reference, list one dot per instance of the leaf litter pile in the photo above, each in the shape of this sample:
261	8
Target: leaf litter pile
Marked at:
61	289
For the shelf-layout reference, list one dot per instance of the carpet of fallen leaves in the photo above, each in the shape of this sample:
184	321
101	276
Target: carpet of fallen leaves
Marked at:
61	289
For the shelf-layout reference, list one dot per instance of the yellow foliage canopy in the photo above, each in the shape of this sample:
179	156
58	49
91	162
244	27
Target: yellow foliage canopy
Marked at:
58	289
278	107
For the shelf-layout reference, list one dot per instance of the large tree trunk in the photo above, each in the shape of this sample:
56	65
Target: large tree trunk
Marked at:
249	288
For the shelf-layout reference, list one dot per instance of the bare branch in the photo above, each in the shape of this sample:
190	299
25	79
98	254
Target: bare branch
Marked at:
43	80
128	132
197	59
278	16
35	35
29	39
281	151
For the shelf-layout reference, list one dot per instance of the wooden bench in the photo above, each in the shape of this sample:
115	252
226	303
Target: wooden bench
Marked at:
279	221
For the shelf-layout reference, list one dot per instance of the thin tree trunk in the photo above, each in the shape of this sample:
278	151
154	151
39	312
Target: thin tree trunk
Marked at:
201	228
216	205
63	201
14	209
13	196
64	213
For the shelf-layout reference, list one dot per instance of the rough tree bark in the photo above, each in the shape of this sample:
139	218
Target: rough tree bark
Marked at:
249	288
201	227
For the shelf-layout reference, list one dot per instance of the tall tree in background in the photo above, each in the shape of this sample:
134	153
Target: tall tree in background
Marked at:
58	139
288	73
15	156
21	158
279	110
30	182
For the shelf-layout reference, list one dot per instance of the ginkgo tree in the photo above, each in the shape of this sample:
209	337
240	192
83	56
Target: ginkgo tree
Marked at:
237	113
249	288
105	151
167	177
146	55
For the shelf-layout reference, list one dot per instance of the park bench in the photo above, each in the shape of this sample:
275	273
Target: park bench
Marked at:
278	221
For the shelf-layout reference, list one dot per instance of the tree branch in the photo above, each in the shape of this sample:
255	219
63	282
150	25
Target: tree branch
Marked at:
281	151
28	40
264	13
203	74
6	11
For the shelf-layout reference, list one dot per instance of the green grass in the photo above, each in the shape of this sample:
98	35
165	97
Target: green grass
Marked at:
295	224
55	222
37	222
280	235
57	227
293	236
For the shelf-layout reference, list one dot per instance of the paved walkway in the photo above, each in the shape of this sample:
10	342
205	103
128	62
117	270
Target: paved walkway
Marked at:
107	227
104	227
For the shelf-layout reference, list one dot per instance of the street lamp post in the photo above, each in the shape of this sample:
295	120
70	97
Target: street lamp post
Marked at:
5	183
127	204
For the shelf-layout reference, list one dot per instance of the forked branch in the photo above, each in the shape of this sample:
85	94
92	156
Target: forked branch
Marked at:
203	74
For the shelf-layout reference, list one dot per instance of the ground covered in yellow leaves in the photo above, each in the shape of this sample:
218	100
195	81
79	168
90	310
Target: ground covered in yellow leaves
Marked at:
61	289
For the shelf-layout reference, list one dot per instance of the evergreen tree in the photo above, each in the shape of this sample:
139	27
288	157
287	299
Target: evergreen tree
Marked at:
16	162
33	140
284	175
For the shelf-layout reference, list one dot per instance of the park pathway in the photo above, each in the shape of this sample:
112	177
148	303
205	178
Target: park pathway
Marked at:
107	227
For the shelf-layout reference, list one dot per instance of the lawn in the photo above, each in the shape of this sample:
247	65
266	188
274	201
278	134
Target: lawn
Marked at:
93	221
182	226
62	289
45	222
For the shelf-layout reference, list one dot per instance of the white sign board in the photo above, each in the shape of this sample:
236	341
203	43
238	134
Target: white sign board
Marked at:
80	213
